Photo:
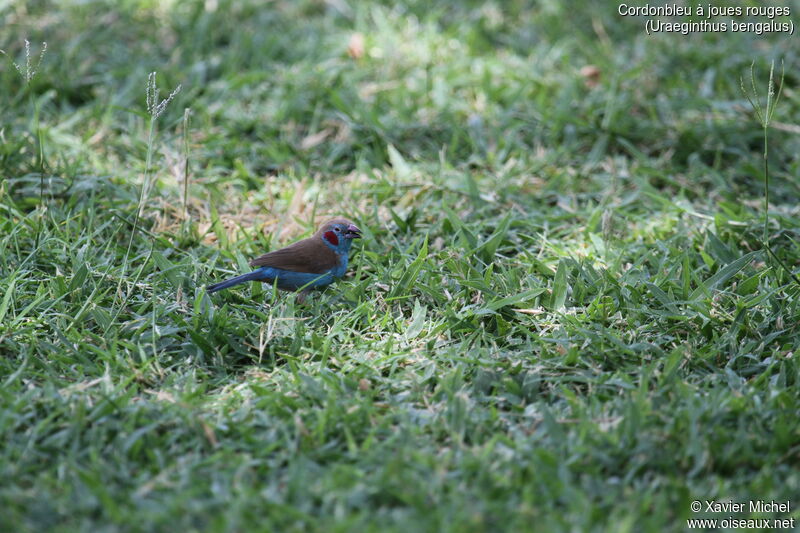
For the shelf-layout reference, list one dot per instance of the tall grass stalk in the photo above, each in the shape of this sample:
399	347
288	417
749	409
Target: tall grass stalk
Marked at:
186	221
764	117
28	72
154	109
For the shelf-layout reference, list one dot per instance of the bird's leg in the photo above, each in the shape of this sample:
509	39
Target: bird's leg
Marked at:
301	296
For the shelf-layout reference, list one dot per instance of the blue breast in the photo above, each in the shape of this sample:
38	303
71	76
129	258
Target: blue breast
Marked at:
339	270
288	280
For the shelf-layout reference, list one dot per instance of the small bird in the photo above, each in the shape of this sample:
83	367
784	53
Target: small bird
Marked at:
311	263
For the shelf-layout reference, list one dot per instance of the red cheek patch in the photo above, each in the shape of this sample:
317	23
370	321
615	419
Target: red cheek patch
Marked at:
331	238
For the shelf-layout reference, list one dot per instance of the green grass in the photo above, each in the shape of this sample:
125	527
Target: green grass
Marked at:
562	315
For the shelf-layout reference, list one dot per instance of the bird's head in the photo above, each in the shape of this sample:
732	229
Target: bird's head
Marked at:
338	233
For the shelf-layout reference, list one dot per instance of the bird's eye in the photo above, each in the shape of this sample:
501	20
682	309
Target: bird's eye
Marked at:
338	230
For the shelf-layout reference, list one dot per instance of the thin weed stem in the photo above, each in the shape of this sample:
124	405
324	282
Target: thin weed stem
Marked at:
154	108
186	219
28	72
764	117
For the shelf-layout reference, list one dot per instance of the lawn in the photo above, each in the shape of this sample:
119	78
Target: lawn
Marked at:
571	309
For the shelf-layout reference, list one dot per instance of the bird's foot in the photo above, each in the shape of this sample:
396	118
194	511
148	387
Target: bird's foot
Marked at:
301	297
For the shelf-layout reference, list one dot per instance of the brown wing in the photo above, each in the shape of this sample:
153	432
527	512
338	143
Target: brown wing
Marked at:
309	255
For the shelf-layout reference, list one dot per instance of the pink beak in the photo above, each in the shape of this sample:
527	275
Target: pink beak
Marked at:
352	232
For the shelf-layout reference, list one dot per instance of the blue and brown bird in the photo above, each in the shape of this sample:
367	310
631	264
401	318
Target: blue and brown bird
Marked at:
311	263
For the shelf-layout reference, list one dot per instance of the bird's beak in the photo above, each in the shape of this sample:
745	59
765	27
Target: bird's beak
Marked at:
352	232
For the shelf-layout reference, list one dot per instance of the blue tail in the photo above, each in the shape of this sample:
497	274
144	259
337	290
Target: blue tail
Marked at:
244	278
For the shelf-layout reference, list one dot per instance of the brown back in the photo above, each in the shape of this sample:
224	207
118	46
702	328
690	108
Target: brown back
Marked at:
309	255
